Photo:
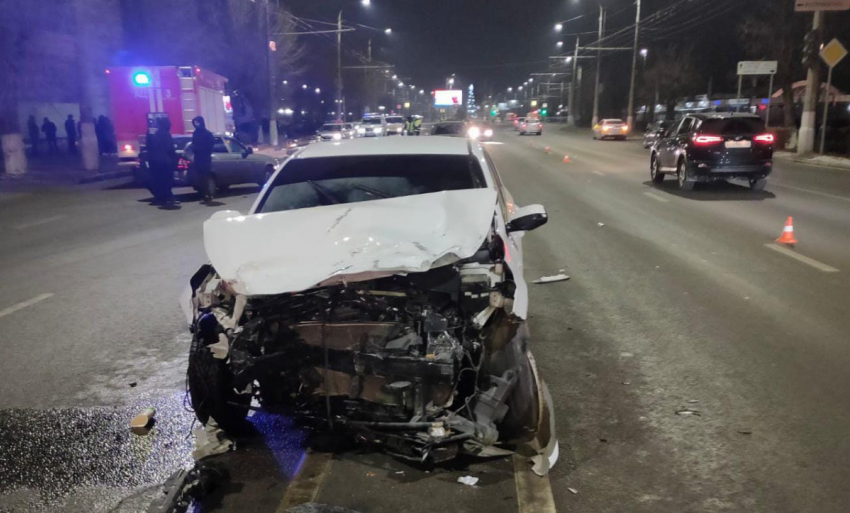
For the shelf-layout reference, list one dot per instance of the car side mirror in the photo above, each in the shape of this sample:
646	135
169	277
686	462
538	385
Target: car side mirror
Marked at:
527	218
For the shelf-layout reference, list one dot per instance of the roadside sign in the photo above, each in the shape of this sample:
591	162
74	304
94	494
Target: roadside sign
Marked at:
833	52
821	5
272	46
757	67
398	106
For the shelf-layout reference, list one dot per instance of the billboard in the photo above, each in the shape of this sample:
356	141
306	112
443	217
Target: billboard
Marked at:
447	98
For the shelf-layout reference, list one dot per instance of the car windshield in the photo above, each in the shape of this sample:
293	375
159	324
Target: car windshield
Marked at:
331	128
737	126
312	182
613	122
395	119
371	121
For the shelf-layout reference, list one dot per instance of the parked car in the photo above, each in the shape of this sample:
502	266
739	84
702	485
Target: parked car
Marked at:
378	287
395	125
332	132
480	130
611	129
531	126
232	163
350	130
712	147
653	130
372	126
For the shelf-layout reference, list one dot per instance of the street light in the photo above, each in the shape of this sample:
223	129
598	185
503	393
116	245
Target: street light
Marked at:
304	87
558	27
318	91
568	60
421	91
559	44
388	31
643	53
451	82
395	77
366	3
510	89
285	82
530	80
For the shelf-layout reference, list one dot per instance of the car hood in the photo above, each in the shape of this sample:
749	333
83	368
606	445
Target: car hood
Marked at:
295	250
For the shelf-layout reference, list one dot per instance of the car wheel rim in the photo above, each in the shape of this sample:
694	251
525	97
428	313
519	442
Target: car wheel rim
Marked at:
681	174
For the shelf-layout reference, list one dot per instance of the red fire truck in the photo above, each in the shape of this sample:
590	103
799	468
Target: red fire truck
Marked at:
141	94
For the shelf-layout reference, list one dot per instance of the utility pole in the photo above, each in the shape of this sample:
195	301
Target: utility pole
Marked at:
339	59
631	116
273	139
806	137
595	120
571	116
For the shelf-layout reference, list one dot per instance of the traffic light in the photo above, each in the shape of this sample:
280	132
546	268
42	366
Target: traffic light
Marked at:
494	112
811	48
544	112
141	79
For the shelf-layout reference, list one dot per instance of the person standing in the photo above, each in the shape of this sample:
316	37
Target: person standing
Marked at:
417	125
202	147
162	159
71	133
32	127
49	129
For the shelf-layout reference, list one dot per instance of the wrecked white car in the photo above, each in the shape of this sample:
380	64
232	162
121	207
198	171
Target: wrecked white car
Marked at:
375	288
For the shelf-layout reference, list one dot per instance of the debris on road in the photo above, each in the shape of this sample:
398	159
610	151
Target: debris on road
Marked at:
627	382
566	159
600	224
467	480
133	384
572	490
211	440
142	422
186	486
745	431
552	279
687	412
693	401
312	507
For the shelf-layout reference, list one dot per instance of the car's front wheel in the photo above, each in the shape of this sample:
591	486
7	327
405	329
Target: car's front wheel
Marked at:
211	390
685	184
655	169
758	184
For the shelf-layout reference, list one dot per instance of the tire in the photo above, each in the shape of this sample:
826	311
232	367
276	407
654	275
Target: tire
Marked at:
685	185
211	391
267	174
655	169
758	184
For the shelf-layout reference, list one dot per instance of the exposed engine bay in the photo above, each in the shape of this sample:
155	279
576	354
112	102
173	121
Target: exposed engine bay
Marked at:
422	365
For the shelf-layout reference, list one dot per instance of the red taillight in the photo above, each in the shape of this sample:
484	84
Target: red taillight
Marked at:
708	139
128	147
182	163
764	138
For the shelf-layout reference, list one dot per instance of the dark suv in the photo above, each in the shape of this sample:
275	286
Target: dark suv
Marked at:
711	147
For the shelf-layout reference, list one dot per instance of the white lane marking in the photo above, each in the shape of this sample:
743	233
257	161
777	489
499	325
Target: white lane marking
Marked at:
533	493
600	173
32	224
656	198
802	258
23	304
493	143
818	193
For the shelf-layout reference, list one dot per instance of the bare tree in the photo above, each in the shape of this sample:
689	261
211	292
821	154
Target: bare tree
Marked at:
773	32
673	74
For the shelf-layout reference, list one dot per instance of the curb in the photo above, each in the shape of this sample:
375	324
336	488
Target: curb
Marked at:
808	162
105	176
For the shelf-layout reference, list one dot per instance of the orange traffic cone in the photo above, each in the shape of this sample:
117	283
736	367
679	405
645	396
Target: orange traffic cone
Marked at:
787	236
566	159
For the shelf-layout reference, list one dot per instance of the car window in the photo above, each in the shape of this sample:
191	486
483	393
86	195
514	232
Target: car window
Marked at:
743	126
331	128
684	126
218	146
235	146
306	183
395	120
371	121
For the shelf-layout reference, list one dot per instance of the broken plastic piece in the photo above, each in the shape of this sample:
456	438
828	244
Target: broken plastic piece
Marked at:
211	440
745	431
687	412
572	490
552	279
467	480
600	224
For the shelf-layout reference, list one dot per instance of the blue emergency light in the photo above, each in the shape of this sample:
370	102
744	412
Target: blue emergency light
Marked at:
141	78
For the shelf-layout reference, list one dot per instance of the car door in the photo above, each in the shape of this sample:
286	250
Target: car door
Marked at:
669	146
223	162
246	167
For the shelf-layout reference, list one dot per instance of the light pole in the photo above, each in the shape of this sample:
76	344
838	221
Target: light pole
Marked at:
571	116
595	119
630	120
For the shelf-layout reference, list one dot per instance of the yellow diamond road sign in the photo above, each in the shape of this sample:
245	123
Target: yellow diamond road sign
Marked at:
833	52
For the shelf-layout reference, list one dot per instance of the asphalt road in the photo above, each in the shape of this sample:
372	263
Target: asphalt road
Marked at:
676	301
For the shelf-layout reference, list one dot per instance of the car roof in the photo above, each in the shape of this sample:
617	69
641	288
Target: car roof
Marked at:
612	120
389	146
723	115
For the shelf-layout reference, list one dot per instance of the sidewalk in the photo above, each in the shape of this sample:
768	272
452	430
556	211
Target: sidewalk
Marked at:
830	161
62	170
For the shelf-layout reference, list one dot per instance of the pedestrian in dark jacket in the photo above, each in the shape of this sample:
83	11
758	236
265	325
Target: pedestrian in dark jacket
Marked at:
202	147
162	159
71	133
49	129
32	127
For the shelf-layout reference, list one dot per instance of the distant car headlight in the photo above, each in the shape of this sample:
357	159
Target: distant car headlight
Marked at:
337	137
361	130
488	133
473	132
